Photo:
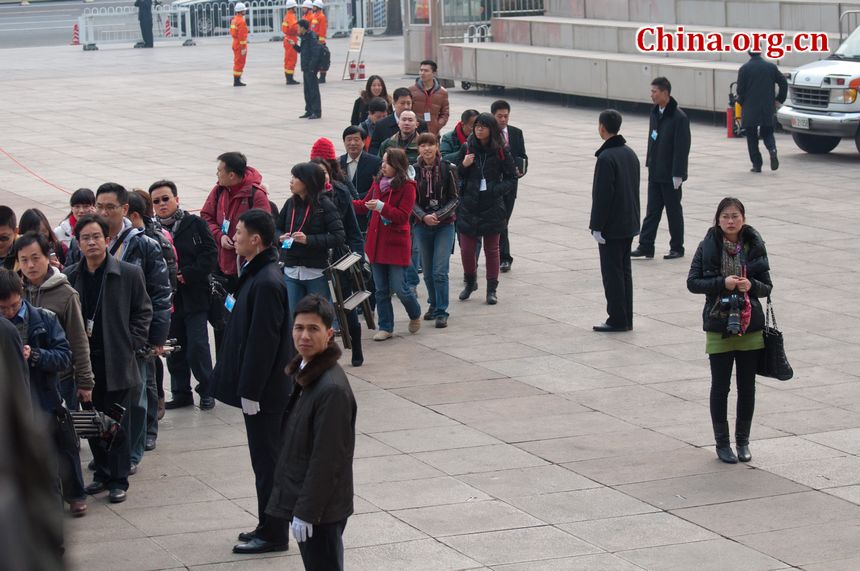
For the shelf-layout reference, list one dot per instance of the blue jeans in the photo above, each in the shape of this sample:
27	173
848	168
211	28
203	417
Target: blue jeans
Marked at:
412	279
138	412
389	278
435	244
297	289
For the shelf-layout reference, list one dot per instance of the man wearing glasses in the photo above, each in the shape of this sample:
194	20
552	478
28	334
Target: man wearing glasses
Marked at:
197	258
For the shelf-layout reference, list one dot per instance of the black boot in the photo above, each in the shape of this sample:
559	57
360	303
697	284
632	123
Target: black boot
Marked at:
742	440
291	80
724	445
471	285
491	292
237	81
355	337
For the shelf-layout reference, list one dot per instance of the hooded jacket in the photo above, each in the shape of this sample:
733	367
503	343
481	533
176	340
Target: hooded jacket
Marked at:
57	295
434	102
228	203
49	355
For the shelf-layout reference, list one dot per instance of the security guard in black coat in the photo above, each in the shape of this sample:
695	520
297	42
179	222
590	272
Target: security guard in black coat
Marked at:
756	81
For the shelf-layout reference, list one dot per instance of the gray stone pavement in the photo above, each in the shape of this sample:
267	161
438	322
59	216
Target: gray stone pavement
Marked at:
516	438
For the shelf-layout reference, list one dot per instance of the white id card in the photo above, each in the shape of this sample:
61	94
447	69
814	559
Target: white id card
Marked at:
229	302
483	184
225	227
426	116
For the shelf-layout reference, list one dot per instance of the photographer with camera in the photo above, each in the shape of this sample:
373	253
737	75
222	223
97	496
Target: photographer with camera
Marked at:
731	268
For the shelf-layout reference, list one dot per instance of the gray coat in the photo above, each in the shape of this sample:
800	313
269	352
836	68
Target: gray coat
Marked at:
757	79
126	313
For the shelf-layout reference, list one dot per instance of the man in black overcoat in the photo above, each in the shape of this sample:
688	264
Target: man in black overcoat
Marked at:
757	80
144	16
615	219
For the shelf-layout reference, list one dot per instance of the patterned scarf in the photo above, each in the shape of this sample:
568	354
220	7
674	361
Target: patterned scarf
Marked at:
171	220
461	136
731	264
431	175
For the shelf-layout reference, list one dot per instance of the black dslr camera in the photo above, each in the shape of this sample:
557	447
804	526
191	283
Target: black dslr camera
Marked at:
732	304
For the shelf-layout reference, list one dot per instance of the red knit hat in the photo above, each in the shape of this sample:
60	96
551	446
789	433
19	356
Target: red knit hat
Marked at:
323	149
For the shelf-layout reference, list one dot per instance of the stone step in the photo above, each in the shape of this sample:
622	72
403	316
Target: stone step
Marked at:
619	36
811	15
696	84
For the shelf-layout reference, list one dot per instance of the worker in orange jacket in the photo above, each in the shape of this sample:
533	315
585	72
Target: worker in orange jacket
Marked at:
290	29
239	31
319	26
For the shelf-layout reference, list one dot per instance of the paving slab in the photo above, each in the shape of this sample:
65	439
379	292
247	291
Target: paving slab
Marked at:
472	517
808	544
506	484
712	555
603	562
142	554
638	531
534	543
581	505
420	493
822	473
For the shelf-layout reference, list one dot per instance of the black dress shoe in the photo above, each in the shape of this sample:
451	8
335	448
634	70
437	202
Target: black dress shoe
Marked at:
755	169
313	116
117	496
179	402
132	469
442	322
95	488
430	315
149	444
247	536
257	545
505	267
207	403
774	161
305	116
606	328
639	253
673	255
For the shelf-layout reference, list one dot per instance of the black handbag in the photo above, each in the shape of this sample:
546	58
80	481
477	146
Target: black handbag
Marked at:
773	361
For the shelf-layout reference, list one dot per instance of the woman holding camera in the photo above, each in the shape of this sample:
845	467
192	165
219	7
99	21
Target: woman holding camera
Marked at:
731	268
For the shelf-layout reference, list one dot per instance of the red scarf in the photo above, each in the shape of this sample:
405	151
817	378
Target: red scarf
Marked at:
458	130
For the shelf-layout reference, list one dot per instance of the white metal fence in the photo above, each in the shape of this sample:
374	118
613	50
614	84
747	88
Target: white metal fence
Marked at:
184	21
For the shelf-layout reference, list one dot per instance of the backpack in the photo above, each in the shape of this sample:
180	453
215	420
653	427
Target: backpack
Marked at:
167	252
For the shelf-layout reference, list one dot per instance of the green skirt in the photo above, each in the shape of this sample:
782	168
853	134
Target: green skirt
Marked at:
716	343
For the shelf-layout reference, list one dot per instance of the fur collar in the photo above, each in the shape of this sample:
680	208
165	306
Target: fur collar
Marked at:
315	369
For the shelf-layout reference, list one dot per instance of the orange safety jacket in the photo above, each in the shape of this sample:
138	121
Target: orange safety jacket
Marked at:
239	31
290	28
319	25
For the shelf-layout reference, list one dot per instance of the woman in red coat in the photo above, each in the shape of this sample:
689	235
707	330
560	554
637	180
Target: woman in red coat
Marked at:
389	243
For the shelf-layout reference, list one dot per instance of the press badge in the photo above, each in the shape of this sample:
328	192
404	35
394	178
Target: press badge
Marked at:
288	243
483	184
654	135
426	116
230	302
90	325
225	227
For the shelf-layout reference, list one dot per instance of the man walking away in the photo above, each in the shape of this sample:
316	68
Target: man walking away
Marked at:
313	480
668	153
250	373
756	81
615	219
311	52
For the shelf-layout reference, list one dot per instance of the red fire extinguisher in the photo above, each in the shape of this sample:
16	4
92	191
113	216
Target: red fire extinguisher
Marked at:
730	121
361	70
352	68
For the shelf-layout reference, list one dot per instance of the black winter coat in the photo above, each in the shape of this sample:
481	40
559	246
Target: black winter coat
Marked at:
197	258
615	190
313	477
311	51
323	228
483	212
756	81
343	197
706	277
256	342
668	154
126	313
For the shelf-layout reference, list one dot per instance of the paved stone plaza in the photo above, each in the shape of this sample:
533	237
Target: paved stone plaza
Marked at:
517	438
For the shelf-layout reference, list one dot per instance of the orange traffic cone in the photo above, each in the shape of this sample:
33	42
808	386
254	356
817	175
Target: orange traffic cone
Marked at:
76	39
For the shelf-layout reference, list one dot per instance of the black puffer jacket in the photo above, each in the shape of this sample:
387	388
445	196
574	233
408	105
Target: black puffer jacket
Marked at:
483	212
706	277
323	228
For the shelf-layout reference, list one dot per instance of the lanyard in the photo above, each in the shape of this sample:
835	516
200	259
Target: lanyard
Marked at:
293	219
99	298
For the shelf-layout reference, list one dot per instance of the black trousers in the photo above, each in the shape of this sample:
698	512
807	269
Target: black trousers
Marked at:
324	551
190	332
146	29
746	363
660	195
112	467
264	443
617	281
752	142
313	103
504	244
217	314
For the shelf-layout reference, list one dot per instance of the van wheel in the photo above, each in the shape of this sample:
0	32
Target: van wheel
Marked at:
815	144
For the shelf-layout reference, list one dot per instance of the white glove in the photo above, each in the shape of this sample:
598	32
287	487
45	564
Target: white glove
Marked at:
379	206
598	236
302	530
250	407
676	182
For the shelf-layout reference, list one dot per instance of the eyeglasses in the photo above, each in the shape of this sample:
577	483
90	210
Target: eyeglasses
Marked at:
164	200
108	207
91	238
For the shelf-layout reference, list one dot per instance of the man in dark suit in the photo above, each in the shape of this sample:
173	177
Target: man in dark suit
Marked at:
250	374
388	127
515	141
757	79
360	167
615	219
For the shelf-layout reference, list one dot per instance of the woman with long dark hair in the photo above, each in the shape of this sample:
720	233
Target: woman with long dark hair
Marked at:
488	172
308	226
731	268
389	242
375	87
34	220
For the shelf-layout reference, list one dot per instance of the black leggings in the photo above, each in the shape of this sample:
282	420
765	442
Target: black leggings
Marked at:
721	379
